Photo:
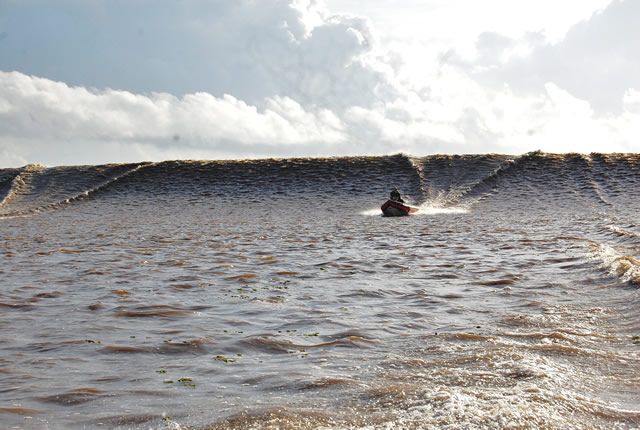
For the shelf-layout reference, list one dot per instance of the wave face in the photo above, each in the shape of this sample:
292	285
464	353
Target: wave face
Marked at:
611	181
272	293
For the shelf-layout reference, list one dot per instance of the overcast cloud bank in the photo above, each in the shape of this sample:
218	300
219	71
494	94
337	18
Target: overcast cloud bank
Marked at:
240	79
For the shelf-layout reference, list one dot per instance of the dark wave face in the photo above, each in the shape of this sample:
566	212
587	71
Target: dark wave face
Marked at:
440	180
273	294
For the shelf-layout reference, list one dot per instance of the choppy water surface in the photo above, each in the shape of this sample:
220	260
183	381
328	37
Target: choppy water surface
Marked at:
272	294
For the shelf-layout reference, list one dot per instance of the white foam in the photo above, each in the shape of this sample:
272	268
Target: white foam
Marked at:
372	212
618	264
424	209
431	209
621	231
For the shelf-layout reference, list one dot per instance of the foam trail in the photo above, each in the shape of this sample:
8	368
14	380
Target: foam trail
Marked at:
428	208
28	198
618	264
372	212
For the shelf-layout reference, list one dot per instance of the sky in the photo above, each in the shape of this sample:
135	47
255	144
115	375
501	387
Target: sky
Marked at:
104	81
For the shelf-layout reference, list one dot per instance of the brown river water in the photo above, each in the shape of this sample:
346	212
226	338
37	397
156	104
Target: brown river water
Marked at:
272	294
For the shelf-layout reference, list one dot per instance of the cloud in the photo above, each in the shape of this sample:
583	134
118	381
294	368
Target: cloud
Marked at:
239	79
40	109
39	116
250	49
596	61
49	122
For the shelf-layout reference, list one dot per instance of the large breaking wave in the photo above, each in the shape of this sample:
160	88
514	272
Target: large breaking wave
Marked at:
609	180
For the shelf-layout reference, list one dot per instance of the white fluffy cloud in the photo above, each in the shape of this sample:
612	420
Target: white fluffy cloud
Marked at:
596	61
237	79
37	109
250	49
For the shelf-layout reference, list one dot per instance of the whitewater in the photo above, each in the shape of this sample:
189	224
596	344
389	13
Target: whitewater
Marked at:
272	294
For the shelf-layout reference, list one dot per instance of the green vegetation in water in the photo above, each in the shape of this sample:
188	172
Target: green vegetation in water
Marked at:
92	341
300	352
635	340
225	359
187	381
245	292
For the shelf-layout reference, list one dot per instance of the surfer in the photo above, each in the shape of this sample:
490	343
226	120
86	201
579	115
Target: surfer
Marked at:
395	195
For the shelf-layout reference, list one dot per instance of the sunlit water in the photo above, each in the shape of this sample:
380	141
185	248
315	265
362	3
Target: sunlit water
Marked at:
272	294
